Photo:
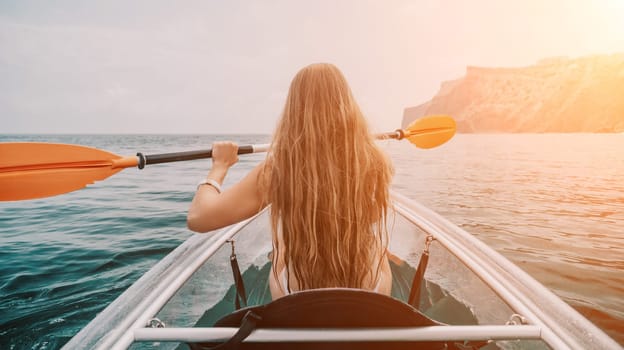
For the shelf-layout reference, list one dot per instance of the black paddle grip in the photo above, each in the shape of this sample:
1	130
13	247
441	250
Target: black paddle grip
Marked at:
182	156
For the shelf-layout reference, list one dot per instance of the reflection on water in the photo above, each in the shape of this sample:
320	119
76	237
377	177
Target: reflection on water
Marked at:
552	203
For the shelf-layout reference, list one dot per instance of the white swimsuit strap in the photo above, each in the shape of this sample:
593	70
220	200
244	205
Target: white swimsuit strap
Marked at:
284	281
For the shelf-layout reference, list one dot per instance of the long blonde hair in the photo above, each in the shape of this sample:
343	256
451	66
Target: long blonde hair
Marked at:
327	183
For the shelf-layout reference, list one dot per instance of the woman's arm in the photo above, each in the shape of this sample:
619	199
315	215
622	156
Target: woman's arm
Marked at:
210	209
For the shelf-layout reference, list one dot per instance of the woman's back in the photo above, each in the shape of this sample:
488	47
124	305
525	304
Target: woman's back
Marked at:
327	183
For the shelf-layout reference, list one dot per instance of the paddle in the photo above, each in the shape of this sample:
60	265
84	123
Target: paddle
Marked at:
30	170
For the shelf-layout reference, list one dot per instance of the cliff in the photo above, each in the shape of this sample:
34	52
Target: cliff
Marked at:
555	95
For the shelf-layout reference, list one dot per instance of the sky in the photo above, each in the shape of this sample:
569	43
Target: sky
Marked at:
224	67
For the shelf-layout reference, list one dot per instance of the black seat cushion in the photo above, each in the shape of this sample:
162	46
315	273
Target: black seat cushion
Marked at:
332	308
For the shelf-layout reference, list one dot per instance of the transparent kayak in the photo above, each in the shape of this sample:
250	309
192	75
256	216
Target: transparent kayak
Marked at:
480	297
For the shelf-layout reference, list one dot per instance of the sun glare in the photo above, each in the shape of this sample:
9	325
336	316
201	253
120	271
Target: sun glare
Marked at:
613	13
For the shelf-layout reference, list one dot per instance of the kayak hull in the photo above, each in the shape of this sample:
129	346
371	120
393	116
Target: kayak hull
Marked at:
469	286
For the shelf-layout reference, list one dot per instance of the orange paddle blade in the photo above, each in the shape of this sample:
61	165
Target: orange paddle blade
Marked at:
31	170
430	131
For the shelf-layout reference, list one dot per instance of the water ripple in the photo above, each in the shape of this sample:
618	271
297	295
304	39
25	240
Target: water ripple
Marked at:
553	204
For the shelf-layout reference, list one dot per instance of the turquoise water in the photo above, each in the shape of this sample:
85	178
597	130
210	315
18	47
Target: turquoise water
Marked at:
553	204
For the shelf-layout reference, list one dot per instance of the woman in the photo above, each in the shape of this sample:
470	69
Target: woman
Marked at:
327	184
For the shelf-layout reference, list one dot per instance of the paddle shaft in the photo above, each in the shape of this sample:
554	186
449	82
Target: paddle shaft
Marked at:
397	134
246	149
192	155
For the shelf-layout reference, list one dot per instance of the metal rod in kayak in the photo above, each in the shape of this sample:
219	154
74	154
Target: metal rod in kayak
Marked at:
430	333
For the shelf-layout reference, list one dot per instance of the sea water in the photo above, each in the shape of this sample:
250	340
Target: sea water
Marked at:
551	203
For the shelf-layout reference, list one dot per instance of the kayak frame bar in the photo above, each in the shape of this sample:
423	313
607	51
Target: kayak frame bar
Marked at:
264	335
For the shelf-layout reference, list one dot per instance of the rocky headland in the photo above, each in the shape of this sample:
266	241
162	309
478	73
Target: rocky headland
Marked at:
555	95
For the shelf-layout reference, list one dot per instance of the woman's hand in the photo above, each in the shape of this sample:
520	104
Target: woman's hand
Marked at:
224	154
212	209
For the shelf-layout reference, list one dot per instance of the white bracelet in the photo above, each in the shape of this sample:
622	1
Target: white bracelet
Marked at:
210	182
